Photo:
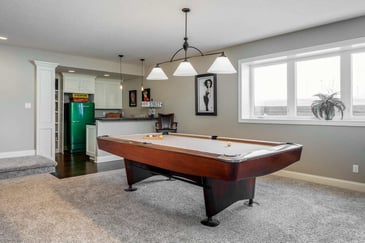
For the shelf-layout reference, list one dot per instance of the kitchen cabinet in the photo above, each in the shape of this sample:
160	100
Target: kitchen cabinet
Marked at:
78	83
108	94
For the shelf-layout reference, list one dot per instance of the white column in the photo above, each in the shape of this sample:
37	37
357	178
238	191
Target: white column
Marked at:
45	108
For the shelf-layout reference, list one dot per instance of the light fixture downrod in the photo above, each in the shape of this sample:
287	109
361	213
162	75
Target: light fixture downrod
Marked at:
142	88
121	72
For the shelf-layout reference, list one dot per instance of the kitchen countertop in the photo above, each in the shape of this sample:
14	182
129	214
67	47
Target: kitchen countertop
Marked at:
125	119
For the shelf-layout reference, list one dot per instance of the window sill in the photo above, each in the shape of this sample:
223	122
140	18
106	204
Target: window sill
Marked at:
282	121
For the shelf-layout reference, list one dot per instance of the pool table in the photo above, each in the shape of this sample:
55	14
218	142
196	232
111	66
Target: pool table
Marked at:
225	167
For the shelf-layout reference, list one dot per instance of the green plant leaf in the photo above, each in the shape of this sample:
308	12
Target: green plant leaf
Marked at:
326	106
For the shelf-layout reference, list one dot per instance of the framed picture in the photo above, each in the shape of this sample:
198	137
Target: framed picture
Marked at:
146	95
206	94
132	98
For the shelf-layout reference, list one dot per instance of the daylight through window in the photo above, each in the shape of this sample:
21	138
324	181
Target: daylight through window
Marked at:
283	87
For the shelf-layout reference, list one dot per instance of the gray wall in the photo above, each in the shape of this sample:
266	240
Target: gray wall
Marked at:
328	151
17	86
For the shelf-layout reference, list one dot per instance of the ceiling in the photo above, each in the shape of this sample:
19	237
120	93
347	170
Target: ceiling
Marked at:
96	73
154	29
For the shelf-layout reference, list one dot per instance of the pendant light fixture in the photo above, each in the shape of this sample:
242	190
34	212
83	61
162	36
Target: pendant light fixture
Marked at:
142	88
221	65
157	74
121	72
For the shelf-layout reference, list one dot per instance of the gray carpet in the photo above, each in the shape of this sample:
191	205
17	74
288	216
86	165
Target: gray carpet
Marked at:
25	165
94	208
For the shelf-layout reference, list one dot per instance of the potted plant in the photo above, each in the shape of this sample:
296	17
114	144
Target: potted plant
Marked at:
325	107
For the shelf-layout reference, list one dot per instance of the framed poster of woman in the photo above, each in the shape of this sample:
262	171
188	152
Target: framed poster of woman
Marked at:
132	98
146	95
206	94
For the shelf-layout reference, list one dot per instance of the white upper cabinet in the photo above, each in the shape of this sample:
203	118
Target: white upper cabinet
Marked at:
108	94
78	83
99	97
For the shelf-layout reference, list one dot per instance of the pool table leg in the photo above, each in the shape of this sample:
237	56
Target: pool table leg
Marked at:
134	174
130	189
219	194
210	222
250	202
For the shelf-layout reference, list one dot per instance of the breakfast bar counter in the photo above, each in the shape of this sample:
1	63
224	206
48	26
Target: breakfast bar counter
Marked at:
105	119
114	127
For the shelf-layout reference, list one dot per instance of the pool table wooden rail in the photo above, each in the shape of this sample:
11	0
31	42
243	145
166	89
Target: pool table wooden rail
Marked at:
238	140
199	163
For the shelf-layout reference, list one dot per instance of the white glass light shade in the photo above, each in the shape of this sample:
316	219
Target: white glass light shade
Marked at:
157	74
185	69
222	65
121	85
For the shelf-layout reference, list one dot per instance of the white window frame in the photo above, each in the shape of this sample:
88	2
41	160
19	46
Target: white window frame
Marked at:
343	49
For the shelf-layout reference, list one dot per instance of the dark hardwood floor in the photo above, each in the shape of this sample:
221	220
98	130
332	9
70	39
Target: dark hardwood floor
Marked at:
77	164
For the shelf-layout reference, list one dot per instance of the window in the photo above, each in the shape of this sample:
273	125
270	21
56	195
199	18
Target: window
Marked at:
280	88
270	90
320	75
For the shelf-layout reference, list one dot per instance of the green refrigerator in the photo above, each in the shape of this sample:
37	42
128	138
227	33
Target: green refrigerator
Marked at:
77	116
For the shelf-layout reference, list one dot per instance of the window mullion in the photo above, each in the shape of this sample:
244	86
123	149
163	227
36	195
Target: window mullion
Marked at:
252	92
346	84
291	89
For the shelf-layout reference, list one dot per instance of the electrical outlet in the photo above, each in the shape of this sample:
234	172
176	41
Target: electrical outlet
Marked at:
355	168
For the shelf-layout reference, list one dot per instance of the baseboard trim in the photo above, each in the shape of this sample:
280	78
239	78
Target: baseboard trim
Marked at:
4	155
350	185
107	158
